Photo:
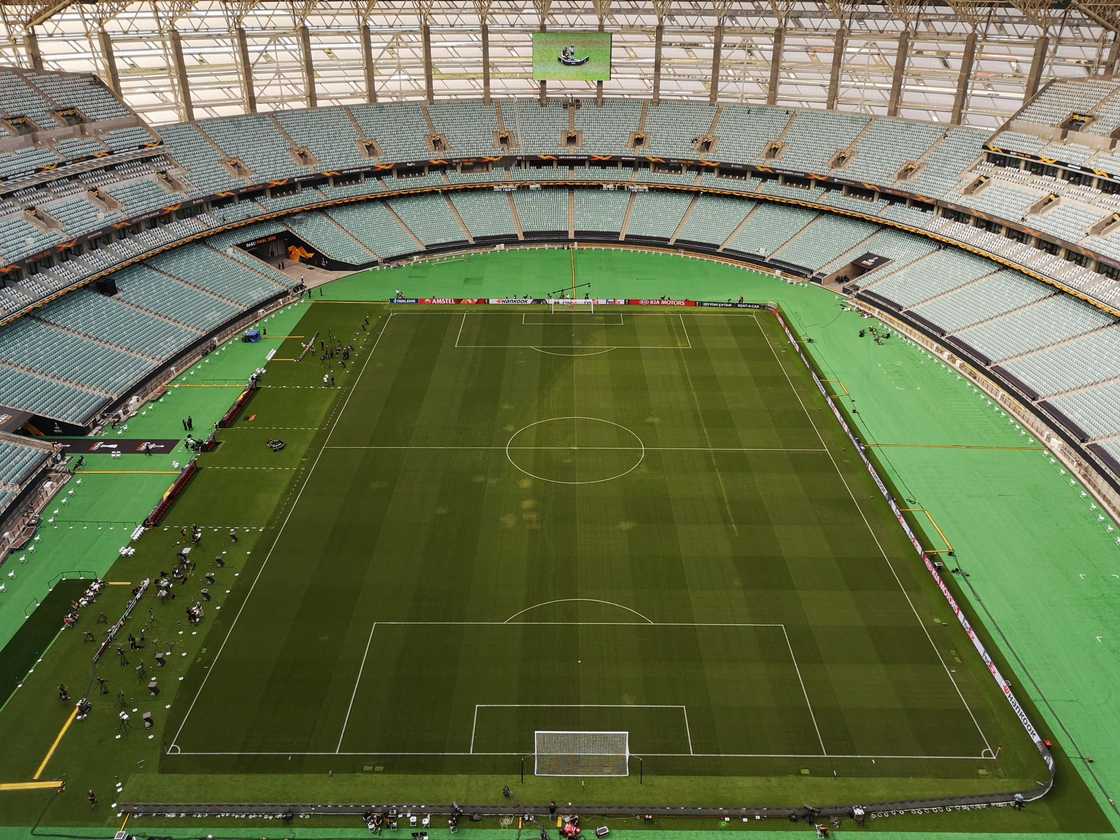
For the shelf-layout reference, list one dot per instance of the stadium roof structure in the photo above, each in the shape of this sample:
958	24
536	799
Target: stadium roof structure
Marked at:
965	61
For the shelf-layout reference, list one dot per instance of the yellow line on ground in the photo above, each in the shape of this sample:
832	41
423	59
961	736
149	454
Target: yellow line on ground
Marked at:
929	515
974	446
123	824
57	740
120	583
48	785
130	472
274	359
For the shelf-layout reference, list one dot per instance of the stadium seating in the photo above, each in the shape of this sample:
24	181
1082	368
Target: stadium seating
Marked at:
1031	327
484	212
154	335
675	126
156	290
29	391
1093	358
816	137
470	128
941	167
810	141
823	240
376	228
607	128
322	234
657	214
429	218
538	128
542	210
745	131
398	128
997	293
1096	410
714	218
255	141
1062	98
600	210
768	227
166	304
933	275
82	352
899	248
328	133
19	462
886	145
204	164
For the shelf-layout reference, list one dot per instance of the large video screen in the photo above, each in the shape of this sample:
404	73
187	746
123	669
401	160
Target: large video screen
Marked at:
572	56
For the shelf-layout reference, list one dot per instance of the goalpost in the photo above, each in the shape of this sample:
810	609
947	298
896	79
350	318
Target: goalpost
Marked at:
569	753
585	306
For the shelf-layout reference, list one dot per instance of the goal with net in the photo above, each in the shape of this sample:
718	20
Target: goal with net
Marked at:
566	753
583	306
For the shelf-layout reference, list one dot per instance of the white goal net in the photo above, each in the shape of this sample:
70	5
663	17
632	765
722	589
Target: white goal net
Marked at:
581	753
572	304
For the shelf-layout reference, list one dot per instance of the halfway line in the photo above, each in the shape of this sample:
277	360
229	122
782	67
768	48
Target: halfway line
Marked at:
469	447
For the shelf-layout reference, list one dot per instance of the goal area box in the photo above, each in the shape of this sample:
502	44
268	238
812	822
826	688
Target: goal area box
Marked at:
565	753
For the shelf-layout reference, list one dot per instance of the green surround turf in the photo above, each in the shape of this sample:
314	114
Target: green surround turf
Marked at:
996	450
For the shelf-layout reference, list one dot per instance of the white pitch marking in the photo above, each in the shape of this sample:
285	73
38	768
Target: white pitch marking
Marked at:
875	538
279	534
589	600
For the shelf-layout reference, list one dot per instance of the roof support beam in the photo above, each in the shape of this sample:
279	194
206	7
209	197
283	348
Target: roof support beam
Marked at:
776	65
111	77
186	107
839	44
968	58
426	41
367	63
48	11
658	37
899	73
31	44
543	84
308	66
599	82
1038	62
245	67
717	50
1109	69
484	33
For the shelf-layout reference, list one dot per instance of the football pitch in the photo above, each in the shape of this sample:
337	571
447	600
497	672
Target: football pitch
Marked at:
640	521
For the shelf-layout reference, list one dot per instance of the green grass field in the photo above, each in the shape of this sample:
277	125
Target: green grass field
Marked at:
503	520
638	521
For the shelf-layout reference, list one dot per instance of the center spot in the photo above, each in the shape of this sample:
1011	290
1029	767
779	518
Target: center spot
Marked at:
575	450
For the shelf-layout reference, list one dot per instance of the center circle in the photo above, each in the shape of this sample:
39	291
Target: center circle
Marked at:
575	450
